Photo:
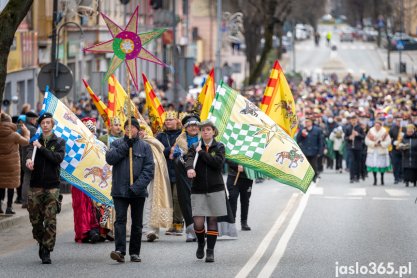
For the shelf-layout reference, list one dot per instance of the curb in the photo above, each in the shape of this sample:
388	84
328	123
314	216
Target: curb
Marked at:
11	221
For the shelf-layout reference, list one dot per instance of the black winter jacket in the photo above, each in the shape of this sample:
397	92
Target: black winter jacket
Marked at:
357	143
409	159
47	162
233	170
208	169
167	138
143	168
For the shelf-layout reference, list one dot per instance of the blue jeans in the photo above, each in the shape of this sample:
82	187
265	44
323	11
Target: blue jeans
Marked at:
136	210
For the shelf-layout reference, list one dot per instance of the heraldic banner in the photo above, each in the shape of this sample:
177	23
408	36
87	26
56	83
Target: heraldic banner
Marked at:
254	140
84	164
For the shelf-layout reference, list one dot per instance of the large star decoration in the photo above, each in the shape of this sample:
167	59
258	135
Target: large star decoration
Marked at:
271	131
127	45
89	141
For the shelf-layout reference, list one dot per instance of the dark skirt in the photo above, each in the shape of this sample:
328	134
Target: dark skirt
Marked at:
410	174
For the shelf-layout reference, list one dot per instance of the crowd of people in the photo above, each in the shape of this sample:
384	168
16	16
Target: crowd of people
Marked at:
360	126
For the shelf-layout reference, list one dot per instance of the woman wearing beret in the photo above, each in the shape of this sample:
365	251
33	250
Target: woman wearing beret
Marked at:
207	191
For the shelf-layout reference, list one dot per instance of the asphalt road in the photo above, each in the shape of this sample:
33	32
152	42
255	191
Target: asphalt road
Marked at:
335	224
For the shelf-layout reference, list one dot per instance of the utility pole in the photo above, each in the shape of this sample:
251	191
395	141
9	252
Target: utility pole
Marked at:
53	36
219	42
401	35
175	56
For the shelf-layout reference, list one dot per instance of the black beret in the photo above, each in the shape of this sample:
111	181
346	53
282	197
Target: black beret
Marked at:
44	116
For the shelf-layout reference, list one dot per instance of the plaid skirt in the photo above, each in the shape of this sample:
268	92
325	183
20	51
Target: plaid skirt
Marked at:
209	204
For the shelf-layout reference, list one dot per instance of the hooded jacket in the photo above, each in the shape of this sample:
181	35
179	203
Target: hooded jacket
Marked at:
9	155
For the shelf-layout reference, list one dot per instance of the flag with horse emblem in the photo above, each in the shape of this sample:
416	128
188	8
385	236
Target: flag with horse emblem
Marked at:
254	140
84	164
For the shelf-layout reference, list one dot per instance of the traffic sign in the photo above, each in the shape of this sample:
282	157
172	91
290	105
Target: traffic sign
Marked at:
60	82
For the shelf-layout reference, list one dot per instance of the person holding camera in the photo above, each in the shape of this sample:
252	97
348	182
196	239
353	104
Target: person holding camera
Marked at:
377	159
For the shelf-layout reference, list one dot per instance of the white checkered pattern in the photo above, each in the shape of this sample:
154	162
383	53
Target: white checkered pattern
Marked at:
73	150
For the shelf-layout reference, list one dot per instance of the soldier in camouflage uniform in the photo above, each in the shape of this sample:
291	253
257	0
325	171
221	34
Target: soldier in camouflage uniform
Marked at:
44	186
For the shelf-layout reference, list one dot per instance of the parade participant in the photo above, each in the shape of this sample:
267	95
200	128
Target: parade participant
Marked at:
172	129
310	140
207	191
86	225
337	137
377	159
243	187
396	133
179	154
408	146
31	119
158	205
354	136
115	131
126	194
10	171
43	194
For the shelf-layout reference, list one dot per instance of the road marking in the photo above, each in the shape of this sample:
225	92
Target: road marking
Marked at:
285	238
389	199
357	192
316	190
397	193
342	198
247	268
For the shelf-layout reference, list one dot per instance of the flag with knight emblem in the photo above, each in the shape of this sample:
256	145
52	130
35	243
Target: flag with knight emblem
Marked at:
254	140
84	164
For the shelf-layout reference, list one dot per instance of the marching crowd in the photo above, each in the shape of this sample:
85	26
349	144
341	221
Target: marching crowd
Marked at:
361	126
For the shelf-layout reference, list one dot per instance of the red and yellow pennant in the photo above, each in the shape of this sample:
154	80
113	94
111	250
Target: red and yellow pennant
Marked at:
278	101
156	111
101	107
207	88
208	93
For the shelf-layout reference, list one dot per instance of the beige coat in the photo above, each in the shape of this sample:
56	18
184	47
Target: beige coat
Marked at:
375	136
9	154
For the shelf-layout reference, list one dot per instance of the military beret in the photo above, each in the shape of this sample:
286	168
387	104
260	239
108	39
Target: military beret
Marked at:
44	116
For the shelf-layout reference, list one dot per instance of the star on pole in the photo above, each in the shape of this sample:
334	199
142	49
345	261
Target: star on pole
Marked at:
127	45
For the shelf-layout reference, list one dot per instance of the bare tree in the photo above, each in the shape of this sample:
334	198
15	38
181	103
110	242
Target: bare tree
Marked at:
10	18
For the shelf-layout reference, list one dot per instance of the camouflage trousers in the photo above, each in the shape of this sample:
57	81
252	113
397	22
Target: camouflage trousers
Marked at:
42	207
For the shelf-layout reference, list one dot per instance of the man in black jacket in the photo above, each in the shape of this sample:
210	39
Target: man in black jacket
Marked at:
44	186
126	194
354	137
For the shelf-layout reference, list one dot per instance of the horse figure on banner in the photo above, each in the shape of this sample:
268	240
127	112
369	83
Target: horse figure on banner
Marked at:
102	173
292	155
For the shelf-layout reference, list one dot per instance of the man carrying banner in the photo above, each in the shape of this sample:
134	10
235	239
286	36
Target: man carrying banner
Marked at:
126	194
44	186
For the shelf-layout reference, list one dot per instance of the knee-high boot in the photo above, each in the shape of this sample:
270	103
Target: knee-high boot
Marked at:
382	178
374	178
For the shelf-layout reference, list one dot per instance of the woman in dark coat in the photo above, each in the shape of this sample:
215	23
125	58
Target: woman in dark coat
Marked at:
409	150
208	198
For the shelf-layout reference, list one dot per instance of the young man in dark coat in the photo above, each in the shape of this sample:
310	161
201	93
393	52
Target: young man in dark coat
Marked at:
126	194
354	137
43	193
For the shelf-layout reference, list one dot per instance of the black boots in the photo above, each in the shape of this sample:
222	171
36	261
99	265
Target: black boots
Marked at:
382	178
374	178
44	254
244	225
209	255
200	250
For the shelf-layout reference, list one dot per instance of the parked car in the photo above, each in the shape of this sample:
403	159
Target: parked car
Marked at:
408	43
346	35
369	34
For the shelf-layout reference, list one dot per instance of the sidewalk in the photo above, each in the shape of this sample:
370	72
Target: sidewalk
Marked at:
22	215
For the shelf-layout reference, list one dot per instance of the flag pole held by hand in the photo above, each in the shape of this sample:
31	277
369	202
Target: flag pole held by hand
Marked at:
34	153
129	114
237	177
